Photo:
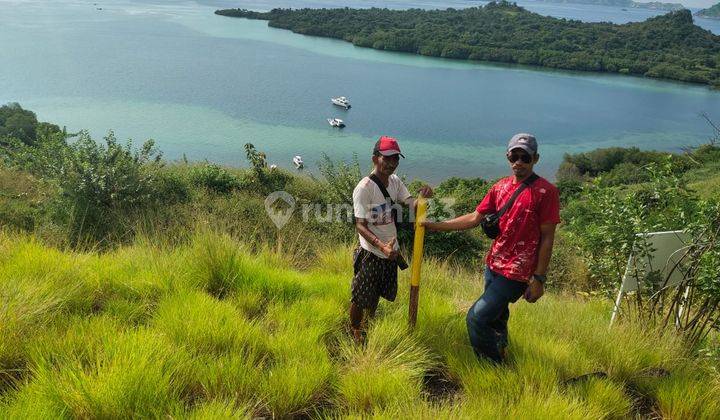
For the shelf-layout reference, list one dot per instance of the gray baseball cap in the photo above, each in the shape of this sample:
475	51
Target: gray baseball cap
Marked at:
524	141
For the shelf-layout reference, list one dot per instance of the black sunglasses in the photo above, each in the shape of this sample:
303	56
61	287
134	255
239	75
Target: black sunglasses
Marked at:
513	157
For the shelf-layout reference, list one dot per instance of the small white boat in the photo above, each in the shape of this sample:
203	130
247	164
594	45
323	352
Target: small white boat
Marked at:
341	101
336	122
298	162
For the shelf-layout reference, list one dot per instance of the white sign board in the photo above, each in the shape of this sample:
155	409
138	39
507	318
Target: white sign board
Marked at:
663	253
665	250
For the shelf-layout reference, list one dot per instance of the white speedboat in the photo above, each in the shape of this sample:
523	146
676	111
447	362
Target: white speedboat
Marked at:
336	122
298	162
341	101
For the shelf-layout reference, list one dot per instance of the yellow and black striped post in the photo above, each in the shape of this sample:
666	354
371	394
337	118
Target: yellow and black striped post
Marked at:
417	258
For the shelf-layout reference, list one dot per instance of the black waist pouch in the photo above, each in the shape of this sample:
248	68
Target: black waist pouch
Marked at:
491	223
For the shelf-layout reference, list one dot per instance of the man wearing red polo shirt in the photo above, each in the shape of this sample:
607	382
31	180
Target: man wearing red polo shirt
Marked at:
519	256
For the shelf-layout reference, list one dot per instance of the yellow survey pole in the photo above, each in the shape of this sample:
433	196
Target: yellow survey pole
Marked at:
417	258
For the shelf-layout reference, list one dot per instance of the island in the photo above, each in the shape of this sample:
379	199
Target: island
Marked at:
653	5
656	5
669	46
710	13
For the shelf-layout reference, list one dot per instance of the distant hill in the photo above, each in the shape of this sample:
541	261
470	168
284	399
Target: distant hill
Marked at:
656	5
710	13
653	5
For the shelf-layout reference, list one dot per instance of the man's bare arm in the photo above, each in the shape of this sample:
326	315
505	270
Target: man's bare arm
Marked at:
547	238
361	225
467	221
536	289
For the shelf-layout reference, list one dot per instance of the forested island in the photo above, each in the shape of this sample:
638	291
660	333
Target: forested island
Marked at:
668	46
652	5
710	13
657	5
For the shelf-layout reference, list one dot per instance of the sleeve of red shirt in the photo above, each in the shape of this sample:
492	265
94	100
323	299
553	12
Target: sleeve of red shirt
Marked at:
550	206
487	205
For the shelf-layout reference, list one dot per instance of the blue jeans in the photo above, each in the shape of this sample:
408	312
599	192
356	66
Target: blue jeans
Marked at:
488	317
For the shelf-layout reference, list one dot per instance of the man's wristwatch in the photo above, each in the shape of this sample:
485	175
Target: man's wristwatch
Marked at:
541	278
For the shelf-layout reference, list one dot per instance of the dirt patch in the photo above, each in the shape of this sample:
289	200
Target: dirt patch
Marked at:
10	378
440	386
654	372
577	379
644	406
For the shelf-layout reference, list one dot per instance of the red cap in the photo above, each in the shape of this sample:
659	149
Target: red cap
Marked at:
387	146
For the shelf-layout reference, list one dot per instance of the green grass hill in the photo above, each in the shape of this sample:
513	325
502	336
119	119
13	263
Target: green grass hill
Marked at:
210	330
132	287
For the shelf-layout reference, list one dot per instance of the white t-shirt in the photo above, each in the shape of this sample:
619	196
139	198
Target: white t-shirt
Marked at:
369	204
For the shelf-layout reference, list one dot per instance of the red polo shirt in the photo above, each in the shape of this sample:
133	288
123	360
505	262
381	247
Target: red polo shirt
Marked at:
514	252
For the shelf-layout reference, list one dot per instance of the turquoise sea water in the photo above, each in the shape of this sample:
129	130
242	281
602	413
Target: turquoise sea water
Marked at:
204	85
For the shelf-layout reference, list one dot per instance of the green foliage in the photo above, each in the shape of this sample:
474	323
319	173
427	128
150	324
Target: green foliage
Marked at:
604	223
707	226
454	197
667	46
340	177
106	182
213	178
21	124
22	198
96	191
604	161
467	193
257	159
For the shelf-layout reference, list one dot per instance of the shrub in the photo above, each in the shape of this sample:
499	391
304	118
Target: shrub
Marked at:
604	223
172	187
213	178
105	183
601	161
17	123
340	179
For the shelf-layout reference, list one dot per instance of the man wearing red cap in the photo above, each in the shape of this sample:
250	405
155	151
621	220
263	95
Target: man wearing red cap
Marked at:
375	204
527	208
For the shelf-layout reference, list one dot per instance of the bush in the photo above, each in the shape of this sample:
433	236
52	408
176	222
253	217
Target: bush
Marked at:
213	178
625	173
601	161
604	223
22	199
17	123
172	187
102	184
340	179
466	193
707	153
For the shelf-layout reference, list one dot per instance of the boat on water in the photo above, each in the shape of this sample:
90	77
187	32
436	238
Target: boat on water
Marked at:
298	162
341	101
336	122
